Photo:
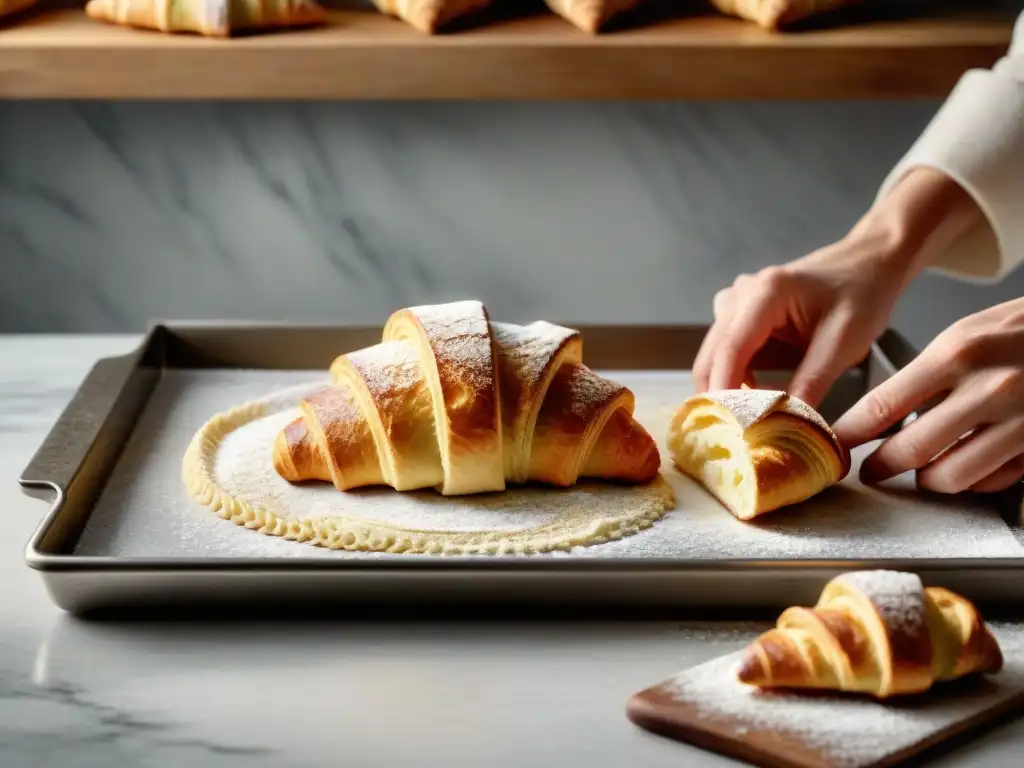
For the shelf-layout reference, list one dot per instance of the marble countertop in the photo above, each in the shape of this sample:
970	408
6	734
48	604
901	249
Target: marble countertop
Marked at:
154	694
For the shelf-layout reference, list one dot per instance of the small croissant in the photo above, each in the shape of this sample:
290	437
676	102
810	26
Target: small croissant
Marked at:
211	18
756	450
430	15
777	14
879	633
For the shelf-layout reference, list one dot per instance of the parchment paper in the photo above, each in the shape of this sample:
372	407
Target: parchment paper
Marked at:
146	512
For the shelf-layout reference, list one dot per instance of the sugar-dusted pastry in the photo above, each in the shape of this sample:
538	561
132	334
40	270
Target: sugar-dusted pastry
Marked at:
450	400
591	15
755	450
430	15
213	18
880	633
10	7
776	14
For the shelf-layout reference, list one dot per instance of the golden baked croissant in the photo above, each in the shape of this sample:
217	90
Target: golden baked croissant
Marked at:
430	15
213	18
591	15
755	450
449	399
880	633
776	14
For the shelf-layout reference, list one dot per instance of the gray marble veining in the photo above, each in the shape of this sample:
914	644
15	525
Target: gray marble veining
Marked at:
114	214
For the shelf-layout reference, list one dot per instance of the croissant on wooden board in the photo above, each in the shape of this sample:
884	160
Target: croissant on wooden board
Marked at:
212	18
430	15
880	633
755	450
591	15
453	401
777	14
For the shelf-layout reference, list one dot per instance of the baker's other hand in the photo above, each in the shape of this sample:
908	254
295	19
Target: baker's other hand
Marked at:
835	302
973	439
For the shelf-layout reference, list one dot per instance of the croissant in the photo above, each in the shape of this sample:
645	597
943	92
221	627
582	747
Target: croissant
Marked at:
430	15
776	14
212	18
880	633
591	15
755	450
451	400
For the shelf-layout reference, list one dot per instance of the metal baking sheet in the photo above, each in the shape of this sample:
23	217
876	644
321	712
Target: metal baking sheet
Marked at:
91	461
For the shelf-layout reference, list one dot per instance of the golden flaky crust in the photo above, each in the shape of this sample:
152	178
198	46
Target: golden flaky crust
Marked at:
212	18
528	359
756	450
880	633
452	401
777	14
591	15
430	15
455	347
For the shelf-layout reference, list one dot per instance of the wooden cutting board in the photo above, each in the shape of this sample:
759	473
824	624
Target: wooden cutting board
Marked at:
707	707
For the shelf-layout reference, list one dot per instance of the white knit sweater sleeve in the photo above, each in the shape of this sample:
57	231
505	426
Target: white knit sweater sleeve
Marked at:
977	138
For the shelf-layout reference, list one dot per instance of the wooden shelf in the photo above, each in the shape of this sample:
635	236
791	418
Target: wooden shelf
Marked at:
364	55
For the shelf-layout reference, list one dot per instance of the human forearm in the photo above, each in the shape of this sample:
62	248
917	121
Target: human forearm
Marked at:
975	140
907	230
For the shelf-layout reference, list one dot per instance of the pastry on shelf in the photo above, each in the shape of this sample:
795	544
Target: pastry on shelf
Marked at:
591	15
755	450
212	18
430	15
11	7
778	14
879	633
453	401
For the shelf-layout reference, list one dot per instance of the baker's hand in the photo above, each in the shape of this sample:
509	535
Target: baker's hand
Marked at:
974	438
833	303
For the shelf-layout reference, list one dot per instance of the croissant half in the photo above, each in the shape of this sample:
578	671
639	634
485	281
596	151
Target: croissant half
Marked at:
755	450
776	14
212	18
880	633
453	401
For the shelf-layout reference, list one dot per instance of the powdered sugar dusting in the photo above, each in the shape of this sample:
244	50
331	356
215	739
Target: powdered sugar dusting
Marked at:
460	336
243	470
898	596
387	367
588	391
848	731
749	406
526	349
145	511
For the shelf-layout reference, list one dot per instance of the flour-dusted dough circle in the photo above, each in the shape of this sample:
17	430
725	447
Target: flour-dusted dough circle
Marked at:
228	467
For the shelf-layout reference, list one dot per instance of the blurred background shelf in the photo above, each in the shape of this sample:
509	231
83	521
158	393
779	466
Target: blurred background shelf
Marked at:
364	55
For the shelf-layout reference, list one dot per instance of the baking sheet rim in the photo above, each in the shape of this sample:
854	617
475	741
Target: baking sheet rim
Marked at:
40	560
